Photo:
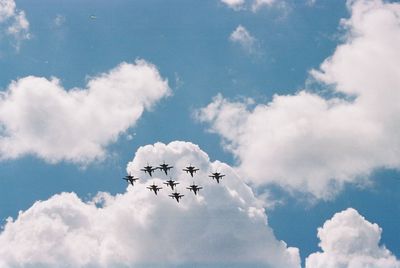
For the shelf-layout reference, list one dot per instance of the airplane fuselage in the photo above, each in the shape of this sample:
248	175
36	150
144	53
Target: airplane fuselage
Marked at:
165	168
177	196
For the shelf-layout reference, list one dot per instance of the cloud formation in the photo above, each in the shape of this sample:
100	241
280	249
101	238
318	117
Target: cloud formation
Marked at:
349	240
242	37
225	224
305	142
14	20
39	117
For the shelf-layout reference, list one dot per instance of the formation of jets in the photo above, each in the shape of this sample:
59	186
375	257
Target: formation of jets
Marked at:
131	179
217	176
165	168
177	196
149	169
154	188
190	170
195	188
171	183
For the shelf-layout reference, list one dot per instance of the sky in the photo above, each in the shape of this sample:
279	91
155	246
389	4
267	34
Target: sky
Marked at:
296	102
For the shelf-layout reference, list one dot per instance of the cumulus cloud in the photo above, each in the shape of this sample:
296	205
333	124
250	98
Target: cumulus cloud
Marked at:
39	117
242	37
349	240
223	225
306	142
14	20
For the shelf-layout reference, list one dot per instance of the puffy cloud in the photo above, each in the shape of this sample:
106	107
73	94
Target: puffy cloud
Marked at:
15	21
309	143
224	224
241	36
39	117
349	240
7	9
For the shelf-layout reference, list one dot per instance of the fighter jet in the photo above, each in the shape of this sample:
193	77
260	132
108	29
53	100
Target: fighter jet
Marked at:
195	188
217	176
171	183
190	170
131	179
154	188
165	167
177	196
149	169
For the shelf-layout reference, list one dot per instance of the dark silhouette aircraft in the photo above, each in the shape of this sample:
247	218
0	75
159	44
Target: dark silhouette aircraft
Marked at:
149	169
165	167
190	169
217	176
130	179
154	188
177	196
195	188
171	183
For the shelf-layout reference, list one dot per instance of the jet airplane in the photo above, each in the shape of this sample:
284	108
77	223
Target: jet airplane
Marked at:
195	188
149	169
131	179
190	169
171	183
177	196
217	176
165	167
154	188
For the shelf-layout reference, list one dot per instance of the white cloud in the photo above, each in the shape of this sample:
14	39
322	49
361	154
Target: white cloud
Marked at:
14	20
308	143
7	9
225	224
257	4
234	4
349	240
39	117
241	36
253	5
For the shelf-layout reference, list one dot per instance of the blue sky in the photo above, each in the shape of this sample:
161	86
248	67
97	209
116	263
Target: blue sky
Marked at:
190	45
